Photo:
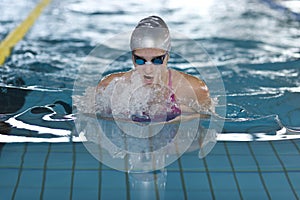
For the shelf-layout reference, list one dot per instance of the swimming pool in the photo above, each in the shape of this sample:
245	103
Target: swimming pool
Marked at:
255	49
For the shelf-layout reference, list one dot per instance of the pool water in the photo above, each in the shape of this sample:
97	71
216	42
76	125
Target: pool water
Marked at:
254	46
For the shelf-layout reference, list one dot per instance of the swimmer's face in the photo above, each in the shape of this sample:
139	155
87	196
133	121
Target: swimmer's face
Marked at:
151	72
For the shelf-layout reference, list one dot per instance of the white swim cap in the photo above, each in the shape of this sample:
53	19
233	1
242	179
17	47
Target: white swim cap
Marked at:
151	32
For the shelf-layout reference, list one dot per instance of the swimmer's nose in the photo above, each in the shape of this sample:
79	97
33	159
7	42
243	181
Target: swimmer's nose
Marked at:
148	68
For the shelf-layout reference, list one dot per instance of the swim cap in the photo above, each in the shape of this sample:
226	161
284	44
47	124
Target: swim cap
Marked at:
151	32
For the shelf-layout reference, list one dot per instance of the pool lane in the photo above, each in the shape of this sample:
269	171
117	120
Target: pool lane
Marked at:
20	31
233	170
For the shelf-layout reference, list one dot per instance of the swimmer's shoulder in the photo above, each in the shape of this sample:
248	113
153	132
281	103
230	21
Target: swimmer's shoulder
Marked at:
189	85
193	80
109	78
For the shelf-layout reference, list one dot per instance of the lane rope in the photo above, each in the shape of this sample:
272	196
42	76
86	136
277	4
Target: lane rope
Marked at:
20	31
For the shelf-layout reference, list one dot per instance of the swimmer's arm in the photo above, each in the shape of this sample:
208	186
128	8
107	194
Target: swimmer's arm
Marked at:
202	94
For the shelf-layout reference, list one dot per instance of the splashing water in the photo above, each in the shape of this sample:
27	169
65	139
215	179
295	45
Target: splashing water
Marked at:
123	98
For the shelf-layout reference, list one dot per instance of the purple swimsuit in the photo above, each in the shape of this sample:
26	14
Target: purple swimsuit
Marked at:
175	110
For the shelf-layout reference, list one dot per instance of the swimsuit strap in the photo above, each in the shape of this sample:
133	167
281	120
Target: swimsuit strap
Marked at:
175	110
172	95
170	79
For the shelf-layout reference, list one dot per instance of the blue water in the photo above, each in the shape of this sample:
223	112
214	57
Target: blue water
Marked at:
254	46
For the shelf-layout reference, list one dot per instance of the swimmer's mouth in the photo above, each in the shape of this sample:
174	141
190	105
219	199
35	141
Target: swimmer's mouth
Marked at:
148	78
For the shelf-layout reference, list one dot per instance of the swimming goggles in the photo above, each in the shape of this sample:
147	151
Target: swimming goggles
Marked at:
156	60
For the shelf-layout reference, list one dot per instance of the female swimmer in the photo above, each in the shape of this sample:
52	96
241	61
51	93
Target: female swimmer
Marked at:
150	45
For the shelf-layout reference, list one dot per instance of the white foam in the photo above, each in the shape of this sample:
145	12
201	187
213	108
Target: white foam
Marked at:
123	97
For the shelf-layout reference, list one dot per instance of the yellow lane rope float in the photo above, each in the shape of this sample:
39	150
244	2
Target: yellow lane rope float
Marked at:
20	31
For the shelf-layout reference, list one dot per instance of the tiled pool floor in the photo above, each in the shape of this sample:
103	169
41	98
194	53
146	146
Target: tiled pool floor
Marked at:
233	170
